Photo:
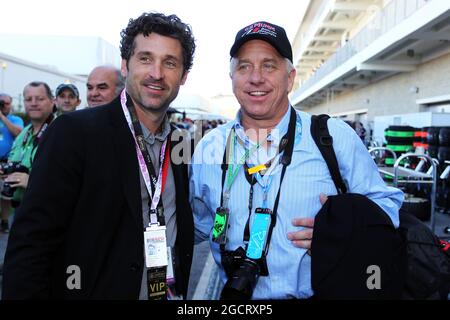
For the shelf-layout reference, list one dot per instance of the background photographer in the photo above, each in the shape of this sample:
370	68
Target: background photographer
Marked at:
38	100
10	127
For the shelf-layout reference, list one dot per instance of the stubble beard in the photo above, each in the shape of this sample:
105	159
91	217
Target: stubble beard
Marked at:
154	108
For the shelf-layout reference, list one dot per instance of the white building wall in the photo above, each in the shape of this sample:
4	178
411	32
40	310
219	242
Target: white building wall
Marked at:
393	95
15	74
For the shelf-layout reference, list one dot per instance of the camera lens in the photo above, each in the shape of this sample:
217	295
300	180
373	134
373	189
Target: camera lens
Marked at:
7	191
241	283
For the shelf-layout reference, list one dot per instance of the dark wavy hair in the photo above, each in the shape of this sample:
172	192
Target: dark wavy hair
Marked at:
169	26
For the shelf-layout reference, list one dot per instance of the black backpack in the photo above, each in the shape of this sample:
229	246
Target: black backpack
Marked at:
428	266
427	274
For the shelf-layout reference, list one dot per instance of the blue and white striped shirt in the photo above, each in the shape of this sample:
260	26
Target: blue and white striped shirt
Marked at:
305	178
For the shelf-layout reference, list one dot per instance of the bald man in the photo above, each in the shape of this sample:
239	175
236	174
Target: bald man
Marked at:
104	84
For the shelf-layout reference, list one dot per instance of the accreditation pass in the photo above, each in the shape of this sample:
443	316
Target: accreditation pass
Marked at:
155	244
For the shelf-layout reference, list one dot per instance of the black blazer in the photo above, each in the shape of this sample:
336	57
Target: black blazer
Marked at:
83	207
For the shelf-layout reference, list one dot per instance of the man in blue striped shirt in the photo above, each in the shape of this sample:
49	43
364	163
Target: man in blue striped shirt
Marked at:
235	195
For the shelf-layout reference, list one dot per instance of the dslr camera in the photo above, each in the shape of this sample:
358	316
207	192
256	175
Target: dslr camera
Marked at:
2	104
243	273
8	168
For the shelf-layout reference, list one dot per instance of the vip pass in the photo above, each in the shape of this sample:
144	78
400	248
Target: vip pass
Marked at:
155	247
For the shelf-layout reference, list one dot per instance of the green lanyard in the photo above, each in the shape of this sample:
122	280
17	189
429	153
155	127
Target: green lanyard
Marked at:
233	169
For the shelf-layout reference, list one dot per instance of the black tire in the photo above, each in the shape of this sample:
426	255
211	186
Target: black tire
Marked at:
399	149
444	137
418	207
433	151
400	134
399	140
433	136
402	128
443	154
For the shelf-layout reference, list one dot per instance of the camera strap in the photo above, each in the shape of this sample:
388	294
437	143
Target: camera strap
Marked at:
286	146
42	129
38	136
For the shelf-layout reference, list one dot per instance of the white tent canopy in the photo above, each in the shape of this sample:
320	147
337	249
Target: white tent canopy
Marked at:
198	114
195	107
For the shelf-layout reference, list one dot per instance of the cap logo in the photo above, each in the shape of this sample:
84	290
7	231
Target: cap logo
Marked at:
265	31
260	28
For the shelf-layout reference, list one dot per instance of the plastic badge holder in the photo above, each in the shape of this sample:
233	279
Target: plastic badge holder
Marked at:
221	225
258	233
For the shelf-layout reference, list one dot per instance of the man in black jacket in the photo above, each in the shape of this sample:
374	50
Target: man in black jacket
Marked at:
106	180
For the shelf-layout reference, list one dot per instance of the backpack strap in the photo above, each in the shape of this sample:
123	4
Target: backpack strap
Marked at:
324	141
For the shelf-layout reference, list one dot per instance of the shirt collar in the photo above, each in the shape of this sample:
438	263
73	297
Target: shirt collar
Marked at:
274	137
160	136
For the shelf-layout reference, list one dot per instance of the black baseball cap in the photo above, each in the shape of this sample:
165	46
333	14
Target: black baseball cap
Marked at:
69	86
269	32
